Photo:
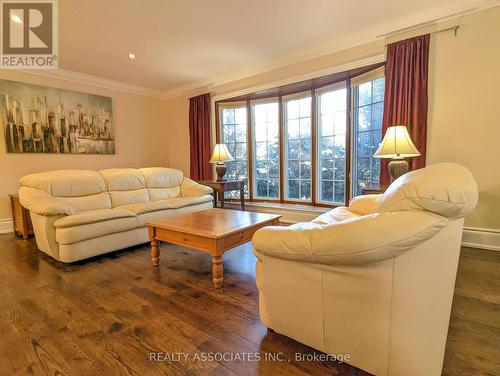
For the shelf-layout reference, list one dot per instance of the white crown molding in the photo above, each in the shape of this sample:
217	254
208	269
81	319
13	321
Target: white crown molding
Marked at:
91	80
371	35
340	44
305	76
6	226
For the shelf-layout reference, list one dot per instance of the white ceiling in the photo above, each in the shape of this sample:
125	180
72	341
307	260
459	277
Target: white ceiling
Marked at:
179	43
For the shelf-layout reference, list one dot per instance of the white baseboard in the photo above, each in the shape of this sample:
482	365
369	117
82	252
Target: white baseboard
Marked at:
482	238
473	237
6	226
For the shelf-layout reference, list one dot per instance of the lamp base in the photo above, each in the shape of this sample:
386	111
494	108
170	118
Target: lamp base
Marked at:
398	167
220	169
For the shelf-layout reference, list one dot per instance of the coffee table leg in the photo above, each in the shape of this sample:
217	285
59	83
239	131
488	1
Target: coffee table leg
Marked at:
217	271
155	252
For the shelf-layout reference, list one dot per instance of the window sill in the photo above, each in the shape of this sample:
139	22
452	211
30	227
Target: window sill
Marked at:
290	213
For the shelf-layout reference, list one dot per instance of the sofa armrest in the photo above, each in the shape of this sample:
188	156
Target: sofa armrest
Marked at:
42	203
191	188
362	240
365	204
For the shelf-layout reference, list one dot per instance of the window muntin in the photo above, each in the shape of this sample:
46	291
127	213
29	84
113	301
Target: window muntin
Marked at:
233	120
368	109
266	153
298	144
332	133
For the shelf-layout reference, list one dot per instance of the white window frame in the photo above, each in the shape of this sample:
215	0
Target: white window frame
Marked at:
254	148
355	82
229	106
285	100
318	93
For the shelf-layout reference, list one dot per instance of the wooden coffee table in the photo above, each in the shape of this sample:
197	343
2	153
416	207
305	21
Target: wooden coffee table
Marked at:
213	231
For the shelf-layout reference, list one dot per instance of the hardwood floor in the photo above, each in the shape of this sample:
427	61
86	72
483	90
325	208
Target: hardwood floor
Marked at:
107	315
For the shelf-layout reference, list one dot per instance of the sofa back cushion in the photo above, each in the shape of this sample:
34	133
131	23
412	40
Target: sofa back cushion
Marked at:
162	183
80	190
125	186
66	183
446	189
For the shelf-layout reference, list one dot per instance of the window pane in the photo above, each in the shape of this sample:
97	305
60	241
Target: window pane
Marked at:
378	87
228	116
293	129
234	135
365	93
368	110
298	143
266	149
327	169
332	129
305	189
326	191
293	169
293	187
305	170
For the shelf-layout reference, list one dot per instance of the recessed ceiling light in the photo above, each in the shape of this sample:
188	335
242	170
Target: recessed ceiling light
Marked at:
16	19
132	56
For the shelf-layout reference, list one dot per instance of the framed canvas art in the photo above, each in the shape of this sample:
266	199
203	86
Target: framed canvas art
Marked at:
40	119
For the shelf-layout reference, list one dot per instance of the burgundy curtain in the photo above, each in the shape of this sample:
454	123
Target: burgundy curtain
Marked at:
405	100
199	137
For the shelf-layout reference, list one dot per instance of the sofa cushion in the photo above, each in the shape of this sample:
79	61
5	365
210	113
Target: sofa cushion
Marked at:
188	201
119	198
446	189
162	183
92	216
157	194
338	214
365	204
123	179
151	206
146	207
90	202
42	203
145	218
161	177
73	234
66	183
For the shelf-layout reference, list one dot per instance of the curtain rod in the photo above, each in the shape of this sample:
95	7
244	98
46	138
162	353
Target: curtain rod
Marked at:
429	23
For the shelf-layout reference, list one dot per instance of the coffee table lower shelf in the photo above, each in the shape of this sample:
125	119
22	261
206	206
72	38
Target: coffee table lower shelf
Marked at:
213	231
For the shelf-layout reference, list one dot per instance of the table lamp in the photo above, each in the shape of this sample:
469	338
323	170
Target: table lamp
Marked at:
219	156
397	145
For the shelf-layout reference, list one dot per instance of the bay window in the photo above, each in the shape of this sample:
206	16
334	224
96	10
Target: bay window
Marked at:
311	142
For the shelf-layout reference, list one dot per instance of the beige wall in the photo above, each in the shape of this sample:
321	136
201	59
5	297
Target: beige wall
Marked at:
463	90
464	120
140	134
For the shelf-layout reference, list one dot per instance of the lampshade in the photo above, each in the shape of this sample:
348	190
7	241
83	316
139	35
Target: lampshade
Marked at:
221	154
396	144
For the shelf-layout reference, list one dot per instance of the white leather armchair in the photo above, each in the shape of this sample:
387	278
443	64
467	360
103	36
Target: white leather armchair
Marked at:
374	280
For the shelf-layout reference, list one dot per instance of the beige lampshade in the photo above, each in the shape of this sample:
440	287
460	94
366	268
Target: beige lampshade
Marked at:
221	154
396	144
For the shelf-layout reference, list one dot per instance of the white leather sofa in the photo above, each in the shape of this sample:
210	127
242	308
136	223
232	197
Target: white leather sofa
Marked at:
374	280
78	214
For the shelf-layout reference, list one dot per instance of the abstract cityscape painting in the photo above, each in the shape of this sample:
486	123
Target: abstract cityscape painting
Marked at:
39	119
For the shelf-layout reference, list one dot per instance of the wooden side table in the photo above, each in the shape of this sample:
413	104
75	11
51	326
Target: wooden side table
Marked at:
21	218
220	187
372	189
